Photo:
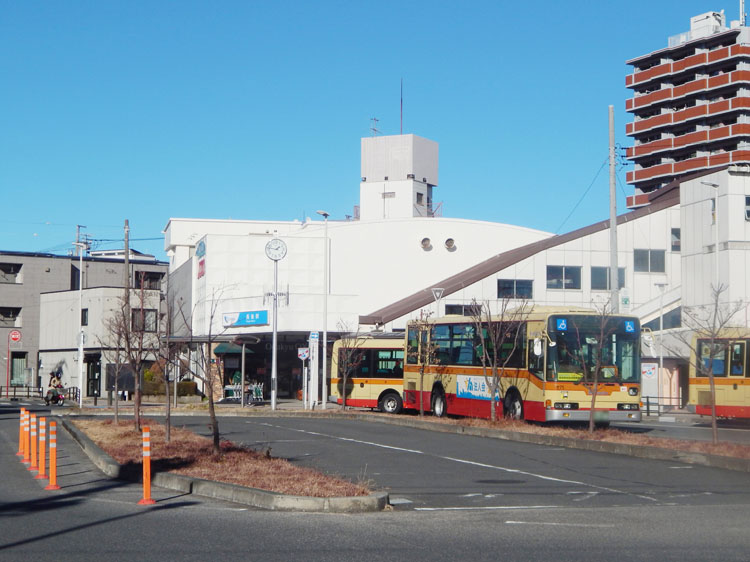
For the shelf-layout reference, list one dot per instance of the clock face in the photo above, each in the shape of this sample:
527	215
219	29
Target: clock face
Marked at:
276	249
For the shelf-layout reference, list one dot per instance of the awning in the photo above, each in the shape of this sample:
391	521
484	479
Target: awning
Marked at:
226	348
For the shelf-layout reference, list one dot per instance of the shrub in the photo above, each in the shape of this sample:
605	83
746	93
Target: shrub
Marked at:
184	388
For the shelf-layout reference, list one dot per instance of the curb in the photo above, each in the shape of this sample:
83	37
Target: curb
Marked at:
229	492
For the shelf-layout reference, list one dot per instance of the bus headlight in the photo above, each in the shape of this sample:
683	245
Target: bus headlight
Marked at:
633	391
628	406
566	405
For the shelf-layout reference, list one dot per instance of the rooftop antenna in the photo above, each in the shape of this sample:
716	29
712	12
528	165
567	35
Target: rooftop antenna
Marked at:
374	127
402	105
742	13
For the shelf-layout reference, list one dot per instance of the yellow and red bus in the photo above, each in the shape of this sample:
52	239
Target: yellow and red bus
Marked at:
548	375
376	374
727	357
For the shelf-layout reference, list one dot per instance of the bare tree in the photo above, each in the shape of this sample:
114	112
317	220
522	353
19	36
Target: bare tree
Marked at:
349	359
141	340
421	350
209	371
112	347
498	337
595	353
706	338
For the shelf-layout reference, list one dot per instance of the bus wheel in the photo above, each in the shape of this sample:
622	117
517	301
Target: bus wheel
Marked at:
438	403
513	406
391	403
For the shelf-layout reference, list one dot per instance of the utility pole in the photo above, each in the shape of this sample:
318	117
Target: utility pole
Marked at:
614	284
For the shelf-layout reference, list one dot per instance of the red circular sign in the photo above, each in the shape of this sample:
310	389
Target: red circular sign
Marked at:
15	335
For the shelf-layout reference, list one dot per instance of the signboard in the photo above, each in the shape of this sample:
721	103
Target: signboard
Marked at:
314	336
303	353
561	324
248	318
15	335
472	387
629	326
648	370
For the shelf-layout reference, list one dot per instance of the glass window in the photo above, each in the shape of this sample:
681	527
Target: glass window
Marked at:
515	288
716	361
600	278
675	239
649	261
747	208
554	277
563	277
85	317
9	272
144	320
412	346
640	262
9	316
737	359
657	261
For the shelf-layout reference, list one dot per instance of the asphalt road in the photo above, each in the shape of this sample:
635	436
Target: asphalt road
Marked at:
471	498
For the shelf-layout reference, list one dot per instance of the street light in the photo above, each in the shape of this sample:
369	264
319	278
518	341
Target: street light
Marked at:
325	216
716	222
81	246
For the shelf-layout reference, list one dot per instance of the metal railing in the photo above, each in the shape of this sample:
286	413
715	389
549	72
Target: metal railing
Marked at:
659	405
28	392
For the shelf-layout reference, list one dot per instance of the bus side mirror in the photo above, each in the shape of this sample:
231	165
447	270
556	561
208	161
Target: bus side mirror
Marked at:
537	347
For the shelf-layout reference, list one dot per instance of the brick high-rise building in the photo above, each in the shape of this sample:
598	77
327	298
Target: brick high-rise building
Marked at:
691	104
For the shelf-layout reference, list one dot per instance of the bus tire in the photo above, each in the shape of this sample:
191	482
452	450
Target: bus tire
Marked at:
391	403
438	403
513	406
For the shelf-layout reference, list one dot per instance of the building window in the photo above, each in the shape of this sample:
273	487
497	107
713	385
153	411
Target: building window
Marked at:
144	320
148	280
515	288
463	309
84	317
747	208
420	198
563	277
675	239
600	278
649	261
9	272
9	317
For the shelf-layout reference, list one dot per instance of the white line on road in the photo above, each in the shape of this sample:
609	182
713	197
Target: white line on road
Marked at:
554	524
486	508
464	461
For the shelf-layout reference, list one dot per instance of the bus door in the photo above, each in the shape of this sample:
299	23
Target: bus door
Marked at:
736	393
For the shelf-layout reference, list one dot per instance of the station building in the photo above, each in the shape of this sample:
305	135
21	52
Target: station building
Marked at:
396	259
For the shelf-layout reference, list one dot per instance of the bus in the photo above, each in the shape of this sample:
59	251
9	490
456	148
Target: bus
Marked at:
376	374
549	373
728	359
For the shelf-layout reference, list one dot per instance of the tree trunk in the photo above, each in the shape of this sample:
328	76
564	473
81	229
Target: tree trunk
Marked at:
214	422
421	392
714	426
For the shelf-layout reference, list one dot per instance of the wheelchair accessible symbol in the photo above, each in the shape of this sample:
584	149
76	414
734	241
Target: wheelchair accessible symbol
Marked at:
629	326
562	324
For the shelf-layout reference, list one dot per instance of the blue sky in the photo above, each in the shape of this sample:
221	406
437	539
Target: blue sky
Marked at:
114	110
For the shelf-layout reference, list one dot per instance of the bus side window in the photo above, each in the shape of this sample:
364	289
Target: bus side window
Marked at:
536	362
737	363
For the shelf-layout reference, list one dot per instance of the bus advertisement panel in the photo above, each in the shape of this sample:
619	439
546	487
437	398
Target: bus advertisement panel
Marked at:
550	368
727	359
376	374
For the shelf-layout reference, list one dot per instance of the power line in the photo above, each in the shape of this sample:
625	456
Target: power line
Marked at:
606	160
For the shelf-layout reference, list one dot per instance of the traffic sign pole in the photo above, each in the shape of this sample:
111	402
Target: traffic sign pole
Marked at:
14	336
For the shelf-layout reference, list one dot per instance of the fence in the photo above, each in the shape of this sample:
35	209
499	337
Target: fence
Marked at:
28	392
658	405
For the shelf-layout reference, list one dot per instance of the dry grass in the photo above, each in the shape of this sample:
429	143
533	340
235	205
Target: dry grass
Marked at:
723	448
191	455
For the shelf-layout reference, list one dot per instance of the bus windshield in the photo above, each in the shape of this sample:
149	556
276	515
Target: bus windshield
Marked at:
581	343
